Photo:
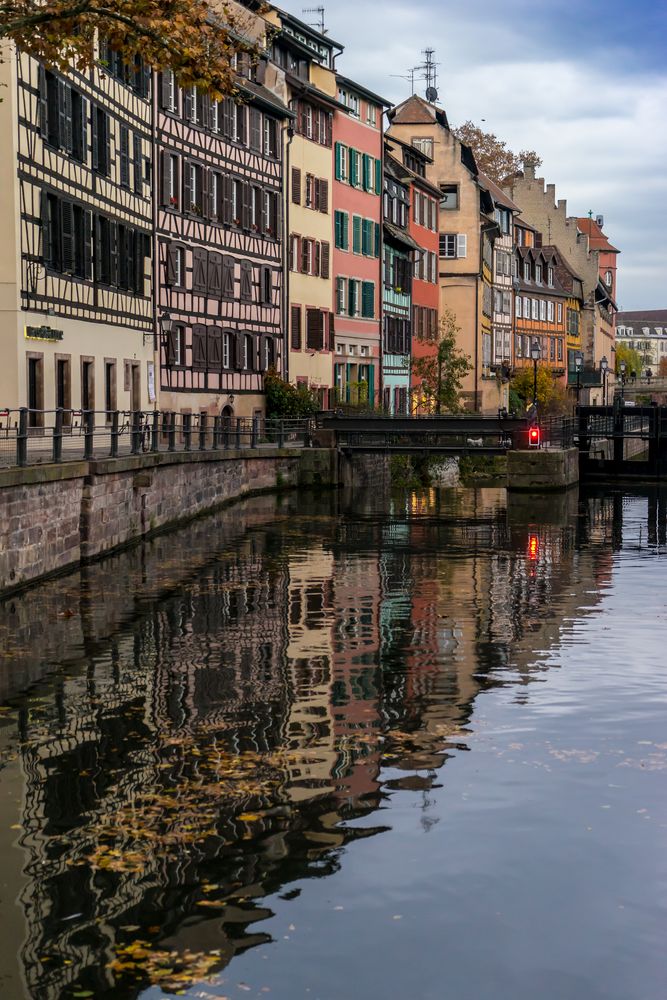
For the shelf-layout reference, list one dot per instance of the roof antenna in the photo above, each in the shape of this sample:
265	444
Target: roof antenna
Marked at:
409	76
430	75
319	24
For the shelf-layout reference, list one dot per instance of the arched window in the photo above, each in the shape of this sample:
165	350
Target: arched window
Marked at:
608	279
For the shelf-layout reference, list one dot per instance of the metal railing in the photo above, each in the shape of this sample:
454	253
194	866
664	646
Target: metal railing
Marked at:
33	437
557	432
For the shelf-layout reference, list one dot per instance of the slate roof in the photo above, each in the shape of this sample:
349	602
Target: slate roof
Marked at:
643	317
496	193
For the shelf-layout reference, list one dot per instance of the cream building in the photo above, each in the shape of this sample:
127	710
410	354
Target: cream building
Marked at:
76	327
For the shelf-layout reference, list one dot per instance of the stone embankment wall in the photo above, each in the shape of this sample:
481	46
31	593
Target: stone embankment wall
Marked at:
57	516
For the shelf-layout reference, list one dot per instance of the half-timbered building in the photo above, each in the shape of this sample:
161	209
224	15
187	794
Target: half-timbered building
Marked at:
219	252
75	258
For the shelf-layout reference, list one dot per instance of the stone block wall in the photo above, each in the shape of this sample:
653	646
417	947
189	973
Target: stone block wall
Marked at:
542	470
55	517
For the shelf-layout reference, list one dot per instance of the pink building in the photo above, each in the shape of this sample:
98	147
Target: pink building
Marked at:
357	205
219	246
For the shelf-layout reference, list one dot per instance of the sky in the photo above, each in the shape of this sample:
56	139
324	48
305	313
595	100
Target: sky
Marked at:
582	82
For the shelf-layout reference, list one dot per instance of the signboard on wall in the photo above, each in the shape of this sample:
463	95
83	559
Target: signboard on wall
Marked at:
151	381
43	333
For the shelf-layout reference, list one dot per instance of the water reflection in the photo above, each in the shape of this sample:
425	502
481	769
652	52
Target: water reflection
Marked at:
199	723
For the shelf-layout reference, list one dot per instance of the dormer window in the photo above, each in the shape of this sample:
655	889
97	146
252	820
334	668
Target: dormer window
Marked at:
550	277
538	274
526	270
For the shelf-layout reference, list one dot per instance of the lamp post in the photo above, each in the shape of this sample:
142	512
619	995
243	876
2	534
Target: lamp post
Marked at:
622	369
578	362
536	354
604	364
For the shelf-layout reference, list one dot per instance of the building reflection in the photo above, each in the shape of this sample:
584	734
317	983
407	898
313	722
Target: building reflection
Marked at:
231	698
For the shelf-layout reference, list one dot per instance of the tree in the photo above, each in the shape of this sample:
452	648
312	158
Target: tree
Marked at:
551	395
633	360
440	374
197	39
492	154
286	400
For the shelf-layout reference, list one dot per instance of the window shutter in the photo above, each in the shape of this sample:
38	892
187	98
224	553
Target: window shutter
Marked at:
260	71
246	199
172	263
356	234
305	254
87	245
316	258
295	327
346	231
332	332
377	239
324	259
255	129
124	155
214	275
164	170
214	348
199	346
165	89
107	144
338	171
62	114
352	159
95	137
246	281
113	253
324	195
378	176
137	159
228	117
171	345
138	262
187	103
296	185
338	229
329	130
227	199
228	277
187	186
461	245
43	104
67	236
303	119
199	270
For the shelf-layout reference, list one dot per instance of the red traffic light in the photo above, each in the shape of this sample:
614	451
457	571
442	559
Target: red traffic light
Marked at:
533	547
534	437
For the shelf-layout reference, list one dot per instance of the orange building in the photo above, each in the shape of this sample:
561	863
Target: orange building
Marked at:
540	309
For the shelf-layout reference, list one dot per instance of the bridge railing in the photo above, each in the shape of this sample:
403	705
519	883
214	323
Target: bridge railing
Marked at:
35	437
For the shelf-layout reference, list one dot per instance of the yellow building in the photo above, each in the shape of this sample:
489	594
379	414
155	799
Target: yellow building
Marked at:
308	60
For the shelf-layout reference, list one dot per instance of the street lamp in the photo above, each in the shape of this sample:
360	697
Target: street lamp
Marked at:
578	362
604	364
536	355
623	369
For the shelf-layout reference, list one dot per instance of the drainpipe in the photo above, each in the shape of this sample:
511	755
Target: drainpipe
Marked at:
286	249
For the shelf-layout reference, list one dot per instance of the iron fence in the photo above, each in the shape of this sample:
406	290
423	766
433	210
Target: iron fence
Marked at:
557	432
33	437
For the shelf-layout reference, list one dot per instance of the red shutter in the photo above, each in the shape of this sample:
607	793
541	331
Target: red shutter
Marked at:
296	185
295	326
323	204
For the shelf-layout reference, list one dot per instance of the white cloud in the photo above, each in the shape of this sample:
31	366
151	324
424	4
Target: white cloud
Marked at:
601	134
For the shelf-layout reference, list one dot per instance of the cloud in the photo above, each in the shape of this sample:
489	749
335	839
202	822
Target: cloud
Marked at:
587	92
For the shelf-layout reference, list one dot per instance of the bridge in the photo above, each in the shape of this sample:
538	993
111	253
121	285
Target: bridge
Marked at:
457	434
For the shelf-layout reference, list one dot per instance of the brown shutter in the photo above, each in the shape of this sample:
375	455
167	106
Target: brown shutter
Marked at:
187	188
295	327
318	251
324	196
228	277
214	348
246	281
246	198
199	270
164	89
214	274
329	136
296	185
164	167
332	332
172	254
255	129
199	346
227	199
324	260
171	345
304	248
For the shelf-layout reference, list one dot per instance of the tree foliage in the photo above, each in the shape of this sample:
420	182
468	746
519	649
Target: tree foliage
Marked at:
633	360
492	155
286	400
197	39
440	374
552	396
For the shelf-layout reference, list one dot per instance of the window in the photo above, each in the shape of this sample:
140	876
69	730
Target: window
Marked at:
550	277
550	312
138	161
559	312
449	197
173	165
526	270
354	297
314	329
341	288
266	286
453	245
538	274
124	156
240	128
341	230
517	306
536	309
424	145
101	142
226	349
560	349
543	311
236	202
270	137
371	114
368	299
609	278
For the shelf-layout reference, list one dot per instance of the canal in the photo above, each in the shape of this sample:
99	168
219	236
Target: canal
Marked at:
402	748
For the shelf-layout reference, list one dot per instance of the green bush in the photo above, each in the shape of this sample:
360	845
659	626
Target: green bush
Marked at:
286	400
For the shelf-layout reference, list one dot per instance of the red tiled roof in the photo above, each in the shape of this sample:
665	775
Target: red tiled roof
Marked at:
413	111
596	238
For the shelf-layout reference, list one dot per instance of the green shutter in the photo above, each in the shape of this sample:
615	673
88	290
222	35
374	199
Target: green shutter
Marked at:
377	239
338	226
356	234
338	170
367	299
366	172
354	167
378	176
346	231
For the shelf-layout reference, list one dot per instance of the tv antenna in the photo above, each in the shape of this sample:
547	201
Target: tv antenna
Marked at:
430	75
409	76
319	24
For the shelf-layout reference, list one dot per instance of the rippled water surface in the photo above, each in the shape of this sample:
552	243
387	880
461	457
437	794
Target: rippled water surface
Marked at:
390	750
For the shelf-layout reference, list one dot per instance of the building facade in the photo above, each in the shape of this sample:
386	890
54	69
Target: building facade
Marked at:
219	240
308	60
75	260
357	208
397	268
645	331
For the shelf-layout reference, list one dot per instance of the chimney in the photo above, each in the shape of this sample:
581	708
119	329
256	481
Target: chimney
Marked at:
529	168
